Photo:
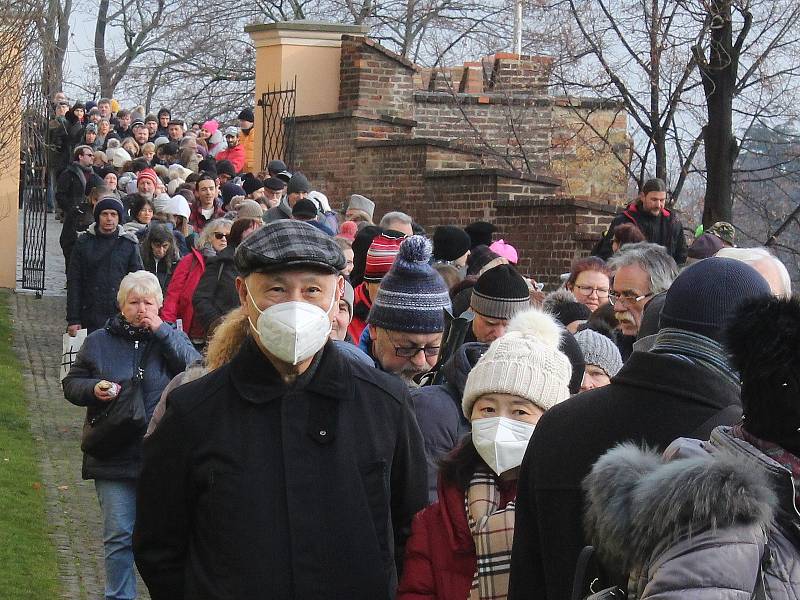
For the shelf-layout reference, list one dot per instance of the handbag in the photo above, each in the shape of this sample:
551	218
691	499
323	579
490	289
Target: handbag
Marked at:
69	350
122	421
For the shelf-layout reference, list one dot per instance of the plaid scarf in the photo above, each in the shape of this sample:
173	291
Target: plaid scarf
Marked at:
492	528
775	452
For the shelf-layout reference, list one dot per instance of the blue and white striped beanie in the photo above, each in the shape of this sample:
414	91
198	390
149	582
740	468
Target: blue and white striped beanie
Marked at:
412	296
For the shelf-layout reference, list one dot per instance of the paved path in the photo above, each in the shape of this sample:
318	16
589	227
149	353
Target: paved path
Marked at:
72	508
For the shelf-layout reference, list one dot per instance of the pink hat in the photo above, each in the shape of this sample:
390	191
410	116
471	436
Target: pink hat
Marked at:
348	230
211	126
507	251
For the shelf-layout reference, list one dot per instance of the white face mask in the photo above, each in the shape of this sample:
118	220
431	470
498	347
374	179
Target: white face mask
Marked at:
501	442
292	331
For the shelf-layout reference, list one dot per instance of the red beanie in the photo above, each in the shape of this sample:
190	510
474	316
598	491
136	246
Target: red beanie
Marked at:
148	174
380	257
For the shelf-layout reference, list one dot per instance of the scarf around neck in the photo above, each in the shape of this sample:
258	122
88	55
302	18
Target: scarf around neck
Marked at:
695	349
129	331
492	528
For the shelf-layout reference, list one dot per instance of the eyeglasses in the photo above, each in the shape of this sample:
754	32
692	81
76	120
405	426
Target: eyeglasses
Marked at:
89	155
411	352
587	290
220	236
627	297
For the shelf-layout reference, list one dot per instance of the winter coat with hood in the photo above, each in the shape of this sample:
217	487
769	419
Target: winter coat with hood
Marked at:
699	523
654	399
361	305
215	294
182	286
97	265
439	413
110	353
664	229
325	475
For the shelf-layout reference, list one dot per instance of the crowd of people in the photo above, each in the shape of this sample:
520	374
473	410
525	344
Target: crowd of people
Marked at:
344	406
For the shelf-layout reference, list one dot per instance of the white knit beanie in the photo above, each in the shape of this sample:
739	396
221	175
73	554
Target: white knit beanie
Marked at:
524	362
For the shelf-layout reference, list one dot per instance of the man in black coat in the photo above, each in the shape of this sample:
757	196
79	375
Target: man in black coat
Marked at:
71	185
658	224
101	257
292	471
682	387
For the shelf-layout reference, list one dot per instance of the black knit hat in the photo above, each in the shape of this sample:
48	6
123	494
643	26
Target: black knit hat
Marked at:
304	209
500	293
226	167
449	243
252	184
706	294
570	347
246	115
564	307
109	203
298	183
480	233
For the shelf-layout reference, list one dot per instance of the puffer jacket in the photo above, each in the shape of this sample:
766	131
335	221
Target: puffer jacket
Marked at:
698	521
438	410
178	299
110	354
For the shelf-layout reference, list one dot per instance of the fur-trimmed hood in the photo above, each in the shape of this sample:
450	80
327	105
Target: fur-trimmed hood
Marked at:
636	500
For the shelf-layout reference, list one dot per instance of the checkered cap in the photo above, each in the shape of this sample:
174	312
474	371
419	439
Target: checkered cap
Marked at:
284	244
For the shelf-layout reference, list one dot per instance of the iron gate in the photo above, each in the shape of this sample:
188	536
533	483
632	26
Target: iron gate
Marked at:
277	124
33	186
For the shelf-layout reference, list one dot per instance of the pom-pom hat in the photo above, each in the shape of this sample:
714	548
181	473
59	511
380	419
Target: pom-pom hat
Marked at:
525	362
412	296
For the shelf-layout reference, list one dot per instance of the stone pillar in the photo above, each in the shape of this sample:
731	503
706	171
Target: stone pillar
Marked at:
307	50
9	169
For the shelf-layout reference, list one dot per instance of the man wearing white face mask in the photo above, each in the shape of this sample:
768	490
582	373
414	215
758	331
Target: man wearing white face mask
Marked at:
521	376
292	471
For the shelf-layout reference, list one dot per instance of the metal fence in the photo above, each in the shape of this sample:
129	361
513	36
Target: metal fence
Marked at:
33	186
277	133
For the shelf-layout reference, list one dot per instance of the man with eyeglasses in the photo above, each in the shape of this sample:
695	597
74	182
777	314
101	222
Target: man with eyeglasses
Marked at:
406	320
71	188
683	386
640	272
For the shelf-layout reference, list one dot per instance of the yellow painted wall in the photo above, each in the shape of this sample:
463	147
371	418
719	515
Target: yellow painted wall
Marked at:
9	174
306	50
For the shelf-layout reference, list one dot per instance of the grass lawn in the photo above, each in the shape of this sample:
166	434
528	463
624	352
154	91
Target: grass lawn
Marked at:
28	567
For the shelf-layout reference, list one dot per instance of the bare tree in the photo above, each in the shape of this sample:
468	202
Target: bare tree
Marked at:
689	74
53	34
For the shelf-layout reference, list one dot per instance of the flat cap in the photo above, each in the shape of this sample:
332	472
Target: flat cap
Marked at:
285	244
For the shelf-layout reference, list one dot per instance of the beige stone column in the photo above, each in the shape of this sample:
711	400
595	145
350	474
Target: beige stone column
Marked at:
305	50
9	167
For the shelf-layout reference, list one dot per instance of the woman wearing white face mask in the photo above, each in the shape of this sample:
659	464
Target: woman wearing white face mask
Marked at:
460	547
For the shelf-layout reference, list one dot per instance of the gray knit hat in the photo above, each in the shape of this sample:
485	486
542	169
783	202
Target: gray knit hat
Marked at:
362	203
600	351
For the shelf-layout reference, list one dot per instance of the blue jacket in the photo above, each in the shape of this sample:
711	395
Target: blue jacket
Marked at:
110	354
438	410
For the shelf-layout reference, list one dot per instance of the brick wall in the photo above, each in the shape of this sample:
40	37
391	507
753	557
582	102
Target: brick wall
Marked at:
550	232
374	79
494	124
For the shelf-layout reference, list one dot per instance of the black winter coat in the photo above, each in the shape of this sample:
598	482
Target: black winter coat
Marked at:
653	400
216	295
96	268
439	413
255	489
664	229
71	188
58	148
110	354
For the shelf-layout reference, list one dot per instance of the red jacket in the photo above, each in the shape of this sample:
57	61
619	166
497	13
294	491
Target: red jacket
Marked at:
236	155
361	306
178	302
440	554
